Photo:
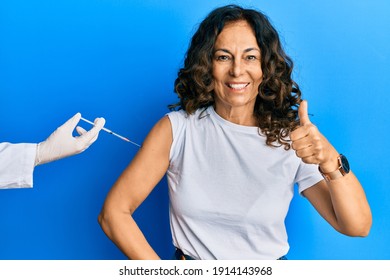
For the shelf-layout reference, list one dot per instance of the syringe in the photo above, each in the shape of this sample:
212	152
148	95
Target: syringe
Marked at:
113	133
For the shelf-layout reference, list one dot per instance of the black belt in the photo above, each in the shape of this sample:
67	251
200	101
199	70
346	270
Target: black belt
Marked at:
179	255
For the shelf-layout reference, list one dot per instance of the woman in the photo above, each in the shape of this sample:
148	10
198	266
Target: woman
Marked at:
234	151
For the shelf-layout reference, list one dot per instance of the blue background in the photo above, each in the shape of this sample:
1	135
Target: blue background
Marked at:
118	59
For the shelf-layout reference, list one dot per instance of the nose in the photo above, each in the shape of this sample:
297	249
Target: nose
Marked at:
236	68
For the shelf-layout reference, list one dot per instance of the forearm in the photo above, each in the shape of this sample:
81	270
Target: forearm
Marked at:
121	228
340	198
351	209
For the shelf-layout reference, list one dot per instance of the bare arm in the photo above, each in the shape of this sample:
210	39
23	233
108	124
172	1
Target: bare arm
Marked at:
131	189
342	202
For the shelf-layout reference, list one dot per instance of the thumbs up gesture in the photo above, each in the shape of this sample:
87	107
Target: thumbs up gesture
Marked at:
310	145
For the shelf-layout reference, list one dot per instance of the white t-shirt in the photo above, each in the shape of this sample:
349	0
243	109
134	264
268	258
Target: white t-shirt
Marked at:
17	165
229	191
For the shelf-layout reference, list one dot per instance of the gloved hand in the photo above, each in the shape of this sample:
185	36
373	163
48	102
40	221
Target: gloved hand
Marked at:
61	142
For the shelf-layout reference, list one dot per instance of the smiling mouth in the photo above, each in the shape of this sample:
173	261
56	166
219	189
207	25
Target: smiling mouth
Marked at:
237	86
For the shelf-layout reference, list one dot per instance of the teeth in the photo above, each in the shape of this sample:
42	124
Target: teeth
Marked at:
237	86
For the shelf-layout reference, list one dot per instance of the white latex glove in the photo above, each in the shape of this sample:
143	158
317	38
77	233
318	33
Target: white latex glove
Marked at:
61	143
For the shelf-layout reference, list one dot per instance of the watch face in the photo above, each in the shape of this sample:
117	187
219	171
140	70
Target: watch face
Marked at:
344	163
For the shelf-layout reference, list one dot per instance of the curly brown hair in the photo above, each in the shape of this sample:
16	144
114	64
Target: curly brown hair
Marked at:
278	98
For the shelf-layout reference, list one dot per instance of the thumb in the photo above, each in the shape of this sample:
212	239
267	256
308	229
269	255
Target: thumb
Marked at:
72	122
302	113
91	135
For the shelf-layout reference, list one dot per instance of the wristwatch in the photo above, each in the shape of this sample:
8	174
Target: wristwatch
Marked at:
340	172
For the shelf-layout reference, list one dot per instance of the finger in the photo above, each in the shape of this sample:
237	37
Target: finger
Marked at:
303	113
91	135
304	152
310	159
99	123
299	133
70	124
301	143
80	130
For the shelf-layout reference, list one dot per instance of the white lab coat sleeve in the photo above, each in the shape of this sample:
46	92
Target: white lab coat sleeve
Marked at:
17	162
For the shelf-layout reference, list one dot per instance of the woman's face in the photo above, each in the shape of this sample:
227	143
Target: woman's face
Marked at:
236	67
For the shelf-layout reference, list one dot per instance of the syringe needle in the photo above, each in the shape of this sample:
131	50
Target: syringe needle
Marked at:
113	133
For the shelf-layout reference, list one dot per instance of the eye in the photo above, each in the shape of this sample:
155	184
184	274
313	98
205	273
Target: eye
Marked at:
251	57
222	57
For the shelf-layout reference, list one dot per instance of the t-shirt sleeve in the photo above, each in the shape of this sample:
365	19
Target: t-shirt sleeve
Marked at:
307	176
175	119
178	123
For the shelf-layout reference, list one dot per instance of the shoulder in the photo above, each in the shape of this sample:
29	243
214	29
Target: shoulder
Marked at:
158	141
180	119
162	128
181	114
177	114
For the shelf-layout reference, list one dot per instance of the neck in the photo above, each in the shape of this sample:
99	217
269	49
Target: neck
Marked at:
238	115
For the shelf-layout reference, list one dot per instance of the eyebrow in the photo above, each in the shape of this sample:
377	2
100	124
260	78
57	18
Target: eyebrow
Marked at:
245	51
